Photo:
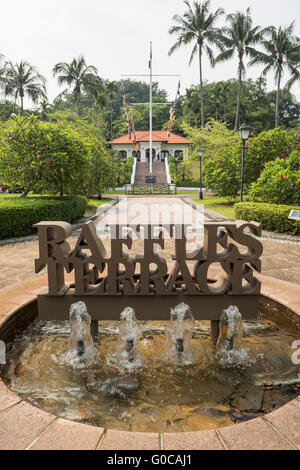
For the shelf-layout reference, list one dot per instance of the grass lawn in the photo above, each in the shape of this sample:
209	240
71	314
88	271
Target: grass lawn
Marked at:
93	204
221	205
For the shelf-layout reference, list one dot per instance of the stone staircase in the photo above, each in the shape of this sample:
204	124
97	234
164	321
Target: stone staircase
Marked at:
140	184
142	171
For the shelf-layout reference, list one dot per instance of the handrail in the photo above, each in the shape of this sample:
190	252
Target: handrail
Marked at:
133	171
168	171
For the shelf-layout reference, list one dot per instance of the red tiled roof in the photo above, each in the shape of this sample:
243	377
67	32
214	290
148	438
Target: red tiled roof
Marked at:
157	136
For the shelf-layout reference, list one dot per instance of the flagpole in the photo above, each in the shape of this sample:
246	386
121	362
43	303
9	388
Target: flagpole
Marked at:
150	149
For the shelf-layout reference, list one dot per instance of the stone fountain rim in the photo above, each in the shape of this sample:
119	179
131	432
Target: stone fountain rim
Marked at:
27	427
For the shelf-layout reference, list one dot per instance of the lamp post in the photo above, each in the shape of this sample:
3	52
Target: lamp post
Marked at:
200	155
244	133
178	158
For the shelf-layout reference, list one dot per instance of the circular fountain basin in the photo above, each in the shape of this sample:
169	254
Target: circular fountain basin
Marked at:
155	396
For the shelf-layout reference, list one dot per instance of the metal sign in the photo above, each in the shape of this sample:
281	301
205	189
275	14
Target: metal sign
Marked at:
147	283
294	215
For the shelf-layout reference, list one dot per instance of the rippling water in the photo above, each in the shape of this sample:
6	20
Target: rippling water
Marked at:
153	393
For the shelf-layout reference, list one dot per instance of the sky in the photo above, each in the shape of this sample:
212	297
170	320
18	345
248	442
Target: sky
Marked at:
114	36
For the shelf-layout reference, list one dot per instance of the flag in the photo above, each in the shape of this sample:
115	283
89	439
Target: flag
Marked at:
150	61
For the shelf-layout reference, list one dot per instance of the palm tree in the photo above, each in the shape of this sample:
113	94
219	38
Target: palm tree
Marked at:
282	50
77	75
240	37
112	89
197	25
22	79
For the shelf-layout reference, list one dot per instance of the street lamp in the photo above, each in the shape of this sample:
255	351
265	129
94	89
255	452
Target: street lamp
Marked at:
244	133
200	155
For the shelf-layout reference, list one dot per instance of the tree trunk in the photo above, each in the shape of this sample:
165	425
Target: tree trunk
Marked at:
22	105
277	100
78	103
25	192
111	116
237	117
201	86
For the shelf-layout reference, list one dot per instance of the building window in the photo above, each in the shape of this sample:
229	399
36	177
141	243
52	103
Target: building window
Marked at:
123	154
137	155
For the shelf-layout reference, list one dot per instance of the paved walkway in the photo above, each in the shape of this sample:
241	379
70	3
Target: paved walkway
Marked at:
280	260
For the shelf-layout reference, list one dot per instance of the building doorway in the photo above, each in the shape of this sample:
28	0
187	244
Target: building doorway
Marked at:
148	155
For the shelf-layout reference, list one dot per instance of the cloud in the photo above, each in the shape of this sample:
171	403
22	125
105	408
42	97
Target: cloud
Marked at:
114	36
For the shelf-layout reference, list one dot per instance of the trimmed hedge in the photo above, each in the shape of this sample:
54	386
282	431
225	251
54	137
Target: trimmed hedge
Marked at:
191	184
273	217
17	215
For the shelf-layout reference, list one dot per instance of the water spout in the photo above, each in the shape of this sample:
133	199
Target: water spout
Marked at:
231	330
130	349
129	335
80	342
180	330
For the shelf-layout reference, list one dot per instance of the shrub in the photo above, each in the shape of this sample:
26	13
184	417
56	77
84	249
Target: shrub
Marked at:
222	172
188	184
266	147
279	181
17	215
273	217
43	156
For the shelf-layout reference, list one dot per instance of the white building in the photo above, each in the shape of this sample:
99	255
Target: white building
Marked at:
162	145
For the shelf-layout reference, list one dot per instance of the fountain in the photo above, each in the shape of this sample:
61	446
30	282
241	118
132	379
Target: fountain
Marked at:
180	331
195	391
81	344
182	383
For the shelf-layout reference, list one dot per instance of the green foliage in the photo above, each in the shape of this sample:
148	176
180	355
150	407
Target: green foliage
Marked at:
101	173
128	169
43	156
267	146
22	79
18	215
146	190
222	173
273	217
257	105
188	184
213	137
6	110
91	125
53	157
78	76
280	181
